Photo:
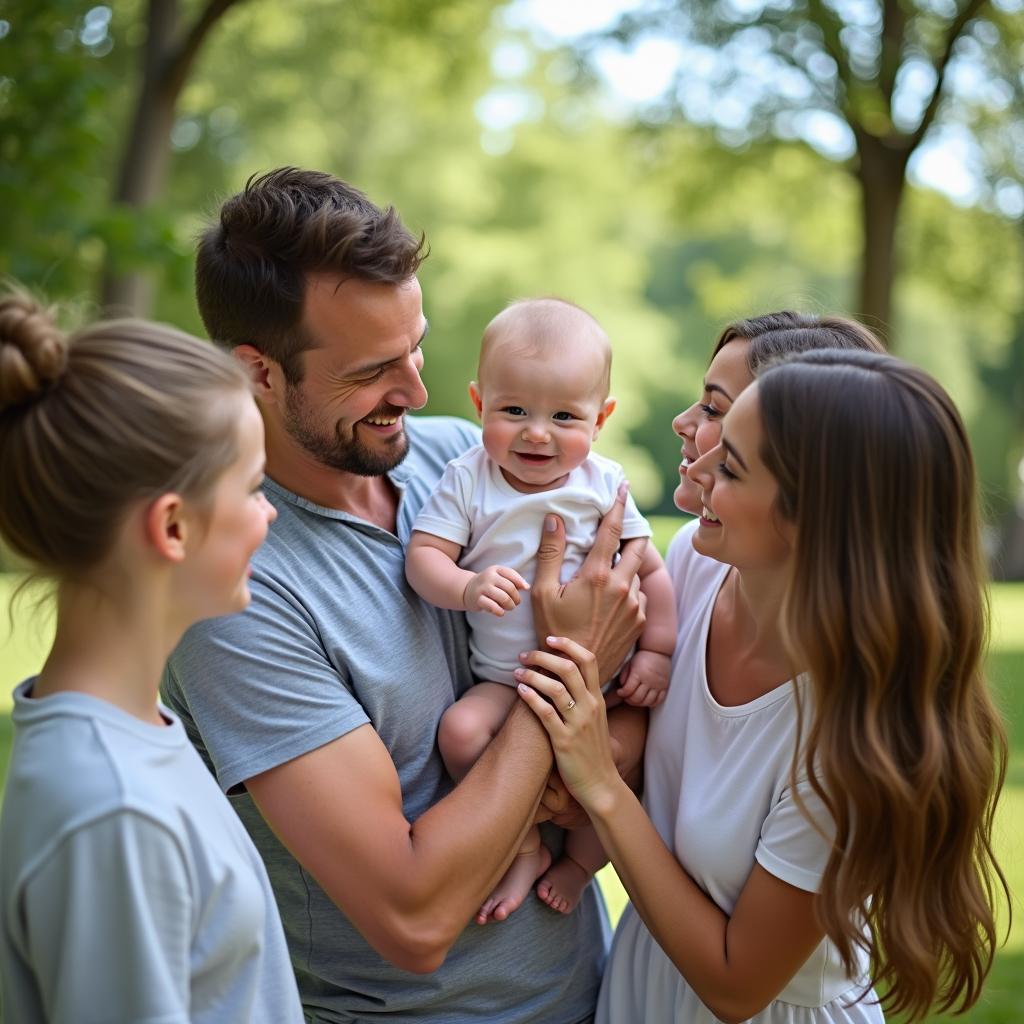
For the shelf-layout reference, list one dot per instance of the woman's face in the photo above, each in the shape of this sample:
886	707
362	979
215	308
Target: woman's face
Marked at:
740	523
237	524
700	426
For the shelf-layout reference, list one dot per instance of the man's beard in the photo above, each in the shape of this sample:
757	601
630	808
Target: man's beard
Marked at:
349	455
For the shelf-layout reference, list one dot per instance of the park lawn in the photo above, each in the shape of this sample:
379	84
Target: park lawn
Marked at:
21	653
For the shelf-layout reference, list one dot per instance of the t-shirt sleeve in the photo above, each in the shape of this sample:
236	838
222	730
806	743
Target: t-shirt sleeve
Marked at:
110	921
259	687
791	847
446	513
634	524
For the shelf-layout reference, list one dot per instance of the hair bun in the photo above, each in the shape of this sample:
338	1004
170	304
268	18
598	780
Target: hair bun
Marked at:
33	350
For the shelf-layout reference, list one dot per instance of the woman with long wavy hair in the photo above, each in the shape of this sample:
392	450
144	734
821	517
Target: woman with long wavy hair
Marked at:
821	780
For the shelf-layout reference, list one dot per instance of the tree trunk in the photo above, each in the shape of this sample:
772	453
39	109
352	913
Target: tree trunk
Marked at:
167	59
881	175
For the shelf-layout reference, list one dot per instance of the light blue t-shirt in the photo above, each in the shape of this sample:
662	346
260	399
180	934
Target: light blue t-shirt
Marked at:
130	892
335	638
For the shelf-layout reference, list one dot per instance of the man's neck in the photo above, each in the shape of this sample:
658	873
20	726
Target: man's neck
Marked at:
373	498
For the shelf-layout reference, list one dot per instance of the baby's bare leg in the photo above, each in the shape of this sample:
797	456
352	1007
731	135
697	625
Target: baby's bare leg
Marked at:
471	723
582	857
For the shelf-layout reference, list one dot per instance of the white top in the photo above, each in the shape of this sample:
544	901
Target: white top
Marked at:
475	507
717	787
129	890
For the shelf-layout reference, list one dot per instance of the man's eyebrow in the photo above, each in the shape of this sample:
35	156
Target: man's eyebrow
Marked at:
735	454
362	371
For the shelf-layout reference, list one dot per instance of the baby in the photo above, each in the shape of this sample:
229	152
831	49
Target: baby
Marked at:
542	396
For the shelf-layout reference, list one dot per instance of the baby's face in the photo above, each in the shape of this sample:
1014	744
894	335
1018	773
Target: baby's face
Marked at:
540	415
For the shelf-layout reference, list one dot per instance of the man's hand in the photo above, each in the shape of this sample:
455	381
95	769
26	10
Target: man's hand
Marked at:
495	590
601	607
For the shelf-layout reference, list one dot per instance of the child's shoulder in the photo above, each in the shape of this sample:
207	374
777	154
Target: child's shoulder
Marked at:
599	473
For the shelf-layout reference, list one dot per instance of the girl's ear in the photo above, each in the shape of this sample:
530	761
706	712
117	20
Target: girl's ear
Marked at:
606	410
475	397
165	526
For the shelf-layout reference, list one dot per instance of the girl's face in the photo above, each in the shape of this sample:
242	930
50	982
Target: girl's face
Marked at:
740	523
236	527
700	426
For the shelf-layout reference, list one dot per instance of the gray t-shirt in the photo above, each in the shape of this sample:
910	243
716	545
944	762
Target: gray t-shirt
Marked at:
130	891
335	638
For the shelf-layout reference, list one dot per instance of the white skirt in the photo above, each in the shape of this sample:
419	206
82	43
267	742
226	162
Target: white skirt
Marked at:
642	986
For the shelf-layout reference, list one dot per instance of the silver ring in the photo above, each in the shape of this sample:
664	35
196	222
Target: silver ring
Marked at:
571	704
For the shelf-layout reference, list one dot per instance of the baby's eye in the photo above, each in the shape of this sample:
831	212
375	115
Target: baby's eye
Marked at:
563	416
514	410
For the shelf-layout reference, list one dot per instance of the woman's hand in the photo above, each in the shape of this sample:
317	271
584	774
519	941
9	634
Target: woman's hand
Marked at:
573	716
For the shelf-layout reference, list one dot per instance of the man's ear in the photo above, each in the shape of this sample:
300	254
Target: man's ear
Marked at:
606	410
476	398
264	372
165	526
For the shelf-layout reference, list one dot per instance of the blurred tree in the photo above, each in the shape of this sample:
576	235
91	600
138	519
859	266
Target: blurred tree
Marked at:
877	76
167	58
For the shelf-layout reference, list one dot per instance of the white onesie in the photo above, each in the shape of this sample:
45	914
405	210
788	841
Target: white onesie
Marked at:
475	507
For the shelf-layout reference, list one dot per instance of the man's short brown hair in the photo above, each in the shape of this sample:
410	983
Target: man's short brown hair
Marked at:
253	262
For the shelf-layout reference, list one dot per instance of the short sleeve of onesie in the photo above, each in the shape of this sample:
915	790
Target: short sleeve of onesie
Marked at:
118	883
448	511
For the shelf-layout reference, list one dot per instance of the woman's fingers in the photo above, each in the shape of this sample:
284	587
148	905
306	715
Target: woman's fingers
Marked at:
578	670
554	690
542	708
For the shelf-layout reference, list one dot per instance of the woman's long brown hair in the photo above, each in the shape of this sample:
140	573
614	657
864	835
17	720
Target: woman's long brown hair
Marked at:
887	614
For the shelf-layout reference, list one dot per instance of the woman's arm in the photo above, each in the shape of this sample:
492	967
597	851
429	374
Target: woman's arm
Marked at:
735	964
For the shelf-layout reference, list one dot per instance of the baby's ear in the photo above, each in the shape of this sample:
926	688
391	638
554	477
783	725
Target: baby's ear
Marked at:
477	400
606	410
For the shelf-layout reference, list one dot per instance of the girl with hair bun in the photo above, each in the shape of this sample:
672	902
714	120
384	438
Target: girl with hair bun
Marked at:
821	781
131	457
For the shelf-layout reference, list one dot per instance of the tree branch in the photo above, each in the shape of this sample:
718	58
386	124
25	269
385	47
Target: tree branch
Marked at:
894	24
830	26
180	60
970	10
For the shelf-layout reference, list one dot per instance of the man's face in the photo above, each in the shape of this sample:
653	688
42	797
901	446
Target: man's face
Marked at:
362	375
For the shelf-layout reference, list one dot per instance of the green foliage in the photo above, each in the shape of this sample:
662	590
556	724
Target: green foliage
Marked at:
659	229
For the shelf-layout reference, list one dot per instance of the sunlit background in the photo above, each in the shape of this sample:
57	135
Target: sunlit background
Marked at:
668	165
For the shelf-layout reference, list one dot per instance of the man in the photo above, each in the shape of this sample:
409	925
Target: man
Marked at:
317	708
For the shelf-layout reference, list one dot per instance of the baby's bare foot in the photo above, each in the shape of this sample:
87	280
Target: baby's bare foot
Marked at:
563	885
510	892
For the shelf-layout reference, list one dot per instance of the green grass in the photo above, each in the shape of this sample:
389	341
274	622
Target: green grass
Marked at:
22	652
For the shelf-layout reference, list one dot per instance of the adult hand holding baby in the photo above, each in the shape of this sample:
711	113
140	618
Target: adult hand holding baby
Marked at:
601	607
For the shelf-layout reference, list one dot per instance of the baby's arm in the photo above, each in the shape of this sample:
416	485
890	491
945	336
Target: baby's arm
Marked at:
432	571
645	679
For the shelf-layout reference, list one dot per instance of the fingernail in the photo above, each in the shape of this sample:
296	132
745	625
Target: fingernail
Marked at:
549	524
523	655
519	673
523	689
552	640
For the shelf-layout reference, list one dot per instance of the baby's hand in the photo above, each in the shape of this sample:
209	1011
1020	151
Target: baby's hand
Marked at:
495	590
644	681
